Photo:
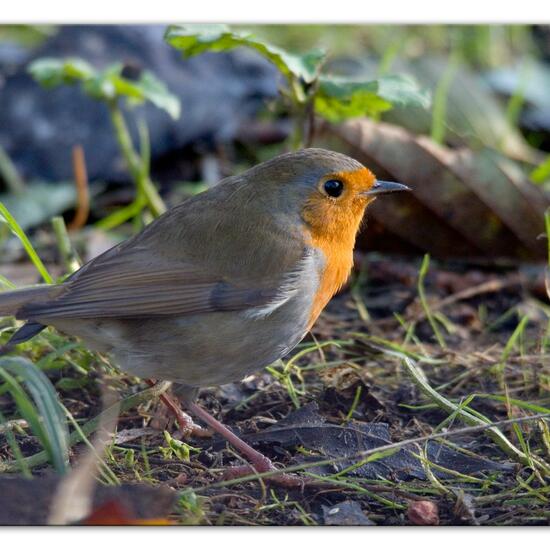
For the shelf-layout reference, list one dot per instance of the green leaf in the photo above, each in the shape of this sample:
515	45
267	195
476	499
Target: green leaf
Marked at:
403	91
51	72
155	91
45	415
339	98
101	87
111	84
541	173
106	85
196	39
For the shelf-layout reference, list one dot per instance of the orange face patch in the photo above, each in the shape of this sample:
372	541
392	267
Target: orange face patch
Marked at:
357	180
333	224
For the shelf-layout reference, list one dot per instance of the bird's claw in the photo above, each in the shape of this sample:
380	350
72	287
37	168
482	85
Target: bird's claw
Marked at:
263	466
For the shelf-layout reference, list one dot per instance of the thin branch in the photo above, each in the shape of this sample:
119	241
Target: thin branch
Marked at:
82	189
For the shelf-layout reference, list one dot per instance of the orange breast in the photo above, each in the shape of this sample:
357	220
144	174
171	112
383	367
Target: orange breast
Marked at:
339	262
331	228
335	238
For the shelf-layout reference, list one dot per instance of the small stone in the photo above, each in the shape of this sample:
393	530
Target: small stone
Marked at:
348	512
423	512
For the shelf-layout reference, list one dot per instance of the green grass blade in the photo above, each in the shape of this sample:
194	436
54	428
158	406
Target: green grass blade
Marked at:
423	300
23	402
4	281
533	407
20	234
92	425
48	420
467	415
16	450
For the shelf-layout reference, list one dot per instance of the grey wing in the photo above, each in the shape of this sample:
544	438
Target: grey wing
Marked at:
134	282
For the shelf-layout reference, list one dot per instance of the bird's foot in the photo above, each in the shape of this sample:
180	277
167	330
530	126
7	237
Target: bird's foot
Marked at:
187	426
258	463
260	466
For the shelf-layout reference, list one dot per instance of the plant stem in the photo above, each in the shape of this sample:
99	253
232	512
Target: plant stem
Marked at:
68	254
299	111
138	169
122	214
297	138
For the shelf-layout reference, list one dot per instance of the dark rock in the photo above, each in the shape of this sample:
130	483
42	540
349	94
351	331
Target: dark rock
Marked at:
219	93
346	513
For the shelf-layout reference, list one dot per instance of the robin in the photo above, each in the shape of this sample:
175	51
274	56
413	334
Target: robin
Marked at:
221	285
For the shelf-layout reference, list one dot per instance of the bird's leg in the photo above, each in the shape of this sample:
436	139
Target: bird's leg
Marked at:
259	463
185	422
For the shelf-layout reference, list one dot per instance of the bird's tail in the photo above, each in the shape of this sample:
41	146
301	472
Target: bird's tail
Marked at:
13	300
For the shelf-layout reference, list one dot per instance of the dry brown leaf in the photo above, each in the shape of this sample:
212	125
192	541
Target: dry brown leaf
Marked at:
464	203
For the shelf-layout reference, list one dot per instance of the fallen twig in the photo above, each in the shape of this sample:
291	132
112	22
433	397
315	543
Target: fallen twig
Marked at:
82	190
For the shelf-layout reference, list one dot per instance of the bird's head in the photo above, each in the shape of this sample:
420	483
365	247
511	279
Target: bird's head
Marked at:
329	190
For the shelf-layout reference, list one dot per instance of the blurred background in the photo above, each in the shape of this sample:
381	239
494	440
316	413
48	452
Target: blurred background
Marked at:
476	152
102	128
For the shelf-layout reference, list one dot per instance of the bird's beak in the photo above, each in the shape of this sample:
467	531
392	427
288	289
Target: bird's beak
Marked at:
383	187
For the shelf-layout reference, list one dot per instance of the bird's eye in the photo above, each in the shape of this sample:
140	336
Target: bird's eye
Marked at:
333	188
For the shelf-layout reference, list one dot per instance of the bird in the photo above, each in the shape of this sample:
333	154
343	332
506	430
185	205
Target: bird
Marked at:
223	284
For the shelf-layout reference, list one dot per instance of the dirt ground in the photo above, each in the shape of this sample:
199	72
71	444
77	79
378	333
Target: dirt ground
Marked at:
344	391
